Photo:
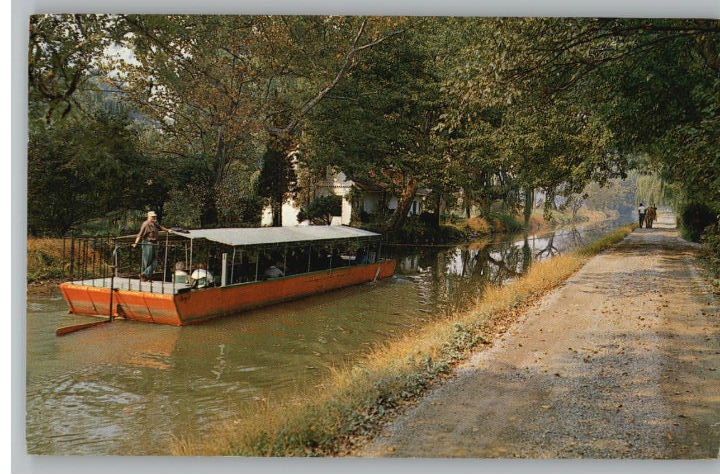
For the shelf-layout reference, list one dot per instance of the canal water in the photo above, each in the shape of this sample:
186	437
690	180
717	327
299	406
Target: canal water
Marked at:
131	388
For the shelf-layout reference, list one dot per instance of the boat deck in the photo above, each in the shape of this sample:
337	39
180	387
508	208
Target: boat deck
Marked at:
133	284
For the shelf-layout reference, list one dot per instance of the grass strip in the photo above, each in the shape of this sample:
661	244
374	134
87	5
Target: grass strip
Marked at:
354	401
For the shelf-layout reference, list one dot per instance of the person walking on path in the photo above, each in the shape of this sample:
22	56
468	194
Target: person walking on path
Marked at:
148	235
650	216
641	214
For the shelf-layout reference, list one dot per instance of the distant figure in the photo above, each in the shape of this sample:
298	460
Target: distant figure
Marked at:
273	271
650	216
180	275
641	214
149	233
201	277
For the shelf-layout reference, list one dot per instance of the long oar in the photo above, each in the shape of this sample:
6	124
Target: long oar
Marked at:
79	327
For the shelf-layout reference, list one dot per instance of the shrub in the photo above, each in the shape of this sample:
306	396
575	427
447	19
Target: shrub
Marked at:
479	225
45	259
428	219
321	210
694	218
502	222
711	248
416	230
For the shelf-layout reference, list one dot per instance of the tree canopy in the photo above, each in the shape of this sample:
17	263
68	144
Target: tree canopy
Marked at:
210	117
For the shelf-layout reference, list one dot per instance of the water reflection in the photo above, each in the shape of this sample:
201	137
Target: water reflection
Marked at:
449	278
129	388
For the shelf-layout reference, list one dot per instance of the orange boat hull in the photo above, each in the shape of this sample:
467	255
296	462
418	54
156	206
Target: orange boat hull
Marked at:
199	305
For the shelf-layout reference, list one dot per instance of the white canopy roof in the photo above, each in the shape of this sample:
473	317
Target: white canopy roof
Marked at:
277	235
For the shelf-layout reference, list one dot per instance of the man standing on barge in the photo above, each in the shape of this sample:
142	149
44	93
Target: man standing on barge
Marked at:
148	235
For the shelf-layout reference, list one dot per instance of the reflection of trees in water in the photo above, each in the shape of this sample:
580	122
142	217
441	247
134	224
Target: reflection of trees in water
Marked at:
450	279
527	254
549	251
576	237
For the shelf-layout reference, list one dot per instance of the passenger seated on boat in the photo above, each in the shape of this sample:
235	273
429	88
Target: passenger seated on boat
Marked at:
336	260
201	277
296	263
361	256
273	271
180	275
320	260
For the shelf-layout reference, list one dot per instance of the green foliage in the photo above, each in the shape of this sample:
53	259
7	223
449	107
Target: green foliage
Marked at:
478	111
642	87
504	222
83	168
45	259
216	84
711	249
694	218
380	125
237	199
277	180
321	210
63	53
416	231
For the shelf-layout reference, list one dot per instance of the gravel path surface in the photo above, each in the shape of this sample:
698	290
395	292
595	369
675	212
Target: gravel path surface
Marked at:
622	361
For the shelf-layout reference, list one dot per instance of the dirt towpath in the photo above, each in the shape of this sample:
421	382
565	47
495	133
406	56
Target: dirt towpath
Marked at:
623	360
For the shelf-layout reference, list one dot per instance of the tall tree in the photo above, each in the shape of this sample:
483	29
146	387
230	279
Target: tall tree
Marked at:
64	53
215	83
652	83
380	124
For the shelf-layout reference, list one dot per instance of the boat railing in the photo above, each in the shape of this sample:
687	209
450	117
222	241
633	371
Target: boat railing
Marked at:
109	261
104	261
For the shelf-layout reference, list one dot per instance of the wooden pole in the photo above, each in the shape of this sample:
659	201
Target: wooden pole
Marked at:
257	265
167	239
72	256
232	268
285	261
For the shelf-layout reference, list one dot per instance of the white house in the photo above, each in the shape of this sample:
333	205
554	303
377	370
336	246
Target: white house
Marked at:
372	197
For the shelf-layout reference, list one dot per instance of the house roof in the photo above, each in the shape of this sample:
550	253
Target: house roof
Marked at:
277	235
367	185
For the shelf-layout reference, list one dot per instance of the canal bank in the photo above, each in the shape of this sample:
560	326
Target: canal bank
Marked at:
352	404
620	362
131	388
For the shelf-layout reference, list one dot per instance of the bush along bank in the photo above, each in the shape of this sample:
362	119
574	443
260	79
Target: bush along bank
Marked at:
44	260
354	402
420	230
699	222
711	252
423	229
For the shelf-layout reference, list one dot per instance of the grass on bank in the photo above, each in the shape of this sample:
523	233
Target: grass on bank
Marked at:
44	259
354	400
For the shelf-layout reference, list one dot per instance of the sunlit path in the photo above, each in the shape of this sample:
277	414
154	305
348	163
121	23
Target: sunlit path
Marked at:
621	361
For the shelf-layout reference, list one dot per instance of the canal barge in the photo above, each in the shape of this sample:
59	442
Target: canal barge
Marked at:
241	269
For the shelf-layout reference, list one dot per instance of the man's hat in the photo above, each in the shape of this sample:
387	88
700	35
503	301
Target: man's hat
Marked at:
152	214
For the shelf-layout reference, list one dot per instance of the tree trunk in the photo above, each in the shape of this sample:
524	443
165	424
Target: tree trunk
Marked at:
276	208
529	201
398	218
209	214
466	203
356	204
438	210
277	178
